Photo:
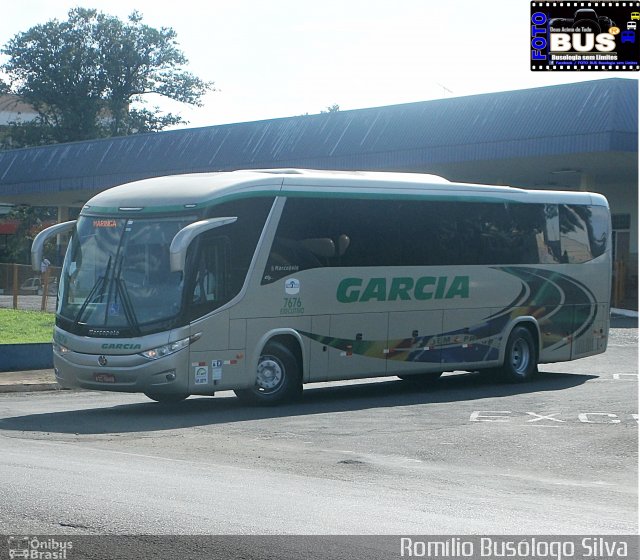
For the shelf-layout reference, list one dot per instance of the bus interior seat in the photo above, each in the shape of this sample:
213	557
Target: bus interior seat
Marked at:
343	244
320	247
307	253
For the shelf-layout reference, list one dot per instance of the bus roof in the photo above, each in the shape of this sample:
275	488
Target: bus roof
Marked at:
173	193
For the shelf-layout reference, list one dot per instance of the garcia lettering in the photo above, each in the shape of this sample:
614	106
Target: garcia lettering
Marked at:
111	346
352	290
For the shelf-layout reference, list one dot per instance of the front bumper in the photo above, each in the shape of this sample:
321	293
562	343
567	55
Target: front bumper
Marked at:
129	373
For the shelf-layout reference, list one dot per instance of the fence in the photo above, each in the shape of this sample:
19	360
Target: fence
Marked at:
22	288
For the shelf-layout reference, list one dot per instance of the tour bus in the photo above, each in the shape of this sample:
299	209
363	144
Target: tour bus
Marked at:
260	281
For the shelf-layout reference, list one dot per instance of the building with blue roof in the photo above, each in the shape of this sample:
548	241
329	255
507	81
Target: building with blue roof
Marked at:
581	136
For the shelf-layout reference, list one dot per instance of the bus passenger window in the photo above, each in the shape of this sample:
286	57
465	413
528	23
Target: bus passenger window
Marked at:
210	283
574	233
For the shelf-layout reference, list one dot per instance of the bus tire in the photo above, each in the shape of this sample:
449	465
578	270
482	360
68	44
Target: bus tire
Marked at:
278	377
521	357
166	398
422	378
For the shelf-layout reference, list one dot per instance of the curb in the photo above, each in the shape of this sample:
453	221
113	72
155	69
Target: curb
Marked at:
624	313
28	381
29	387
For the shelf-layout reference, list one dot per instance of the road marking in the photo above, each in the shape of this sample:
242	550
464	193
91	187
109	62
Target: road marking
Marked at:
550	419
489	416
625	376
543	417
584	417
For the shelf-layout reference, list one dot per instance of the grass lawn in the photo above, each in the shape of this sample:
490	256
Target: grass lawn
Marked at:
18	326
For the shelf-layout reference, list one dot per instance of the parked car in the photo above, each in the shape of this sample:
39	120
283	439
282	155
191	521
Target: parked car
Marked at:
30	286
34	286
52	288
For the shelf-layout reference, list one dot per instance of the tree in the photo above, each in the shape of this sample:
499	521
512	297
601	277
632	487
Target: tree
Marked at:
31	220
88	76
335	108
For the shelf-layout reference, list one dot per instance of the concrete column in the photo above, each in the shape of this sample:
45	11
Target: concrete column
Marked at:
61	240
63	214
586	182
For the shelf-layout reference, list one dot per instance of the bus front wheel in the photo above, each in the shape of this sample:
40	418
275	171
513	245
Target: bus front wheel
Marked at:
520	360
278	377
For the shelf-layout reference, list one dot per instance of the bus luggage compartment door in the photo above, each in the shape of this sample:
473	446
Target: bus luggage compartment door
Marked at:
359	345
413	342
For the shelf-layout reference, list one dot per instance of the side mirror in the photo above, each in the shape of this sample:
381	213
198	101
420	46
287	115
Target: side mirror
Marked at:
181	241
37	246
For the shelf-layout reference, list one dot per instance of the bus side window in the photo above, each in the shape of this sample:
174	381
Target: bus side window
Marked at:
302	254
311	234
210	286
549	241
574	233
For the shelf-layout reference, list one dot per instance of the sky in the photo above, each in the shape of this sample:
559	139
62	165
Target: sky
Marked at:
280	58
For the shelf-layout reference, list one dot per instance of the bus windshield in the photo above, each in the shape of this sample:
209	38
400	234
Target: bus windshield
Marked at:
116	275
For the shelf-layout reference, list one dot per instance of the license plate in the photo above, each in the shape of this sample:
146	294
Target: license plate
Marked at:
104	377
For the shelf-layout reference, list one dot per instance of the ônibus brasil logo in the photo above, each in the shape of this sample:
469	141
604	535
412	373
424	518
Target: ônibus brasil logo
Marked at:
39	548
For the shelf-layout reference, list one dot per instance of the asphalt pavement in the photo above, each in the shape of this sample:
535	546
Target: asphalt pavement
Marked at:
557	456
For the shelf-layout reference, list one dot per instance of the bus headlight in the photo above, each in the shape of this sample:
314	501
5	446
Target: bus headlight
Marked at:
59	349
166	349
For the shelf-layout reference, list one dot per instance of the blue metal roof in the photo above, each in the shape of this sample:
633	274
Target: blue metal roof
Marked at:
593	116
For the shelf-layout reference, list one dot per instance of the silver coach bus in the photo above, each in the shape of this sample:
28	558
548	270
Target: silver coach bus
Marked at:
260	281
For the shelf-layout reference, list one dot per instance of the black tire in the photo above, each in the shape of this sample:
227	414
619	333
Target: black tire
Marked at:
166	398
278	377
520	358
422	378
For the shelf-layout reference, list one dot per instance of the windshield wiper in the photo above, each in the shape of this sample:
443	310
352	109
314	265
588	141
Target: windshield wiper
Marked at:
99	285
121	288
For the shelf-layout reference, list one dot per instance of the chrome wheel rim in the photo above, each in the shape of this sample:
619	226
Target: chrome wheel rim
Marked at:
520	356
270	374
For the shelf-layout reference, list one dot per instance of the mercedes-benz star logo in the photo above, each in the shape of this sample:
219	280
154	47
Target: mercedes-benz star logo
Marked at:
102	360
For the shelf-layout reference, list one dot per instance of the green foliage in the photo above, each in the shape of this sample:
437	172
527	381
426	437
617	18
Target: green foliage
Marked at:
85	75
32	220
21	327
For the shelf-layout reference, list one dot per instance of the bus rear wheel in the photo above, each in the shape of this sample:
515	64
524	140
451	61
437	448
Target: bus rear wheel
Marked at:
278	377
520	360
